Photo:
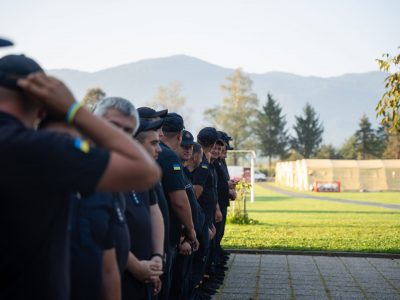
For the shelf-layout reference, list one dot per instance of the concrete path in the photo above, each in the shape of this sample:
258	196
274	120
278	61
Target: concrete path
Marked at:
310	277
301	195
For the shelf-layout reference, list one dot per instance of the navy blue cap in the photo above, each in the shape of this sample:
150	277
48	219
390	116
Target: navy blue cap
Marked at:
146	125
224	136
149	113
14	67
208	135
5	43
187	138
173	123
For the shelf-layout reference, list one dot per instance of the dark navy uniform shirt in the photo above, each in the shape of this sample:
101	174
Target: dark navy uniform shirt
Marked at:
222	186
197	211
162	203
172	180
139	223
97	224
204	175
39	170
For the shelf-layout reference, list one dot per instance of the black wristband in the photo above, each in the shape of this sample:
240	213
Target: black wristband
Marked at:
158	255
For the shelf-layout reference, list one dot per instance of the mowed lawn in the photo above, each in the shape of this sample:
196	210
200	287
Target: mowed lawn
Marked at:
289	223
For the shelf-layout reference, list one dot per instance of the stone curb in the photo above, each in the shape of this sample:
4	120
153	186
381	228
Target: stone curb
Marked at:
315	253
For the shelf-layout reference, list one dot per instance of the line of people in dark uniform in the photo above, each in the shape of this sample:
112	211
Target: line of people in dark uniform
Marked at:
118	203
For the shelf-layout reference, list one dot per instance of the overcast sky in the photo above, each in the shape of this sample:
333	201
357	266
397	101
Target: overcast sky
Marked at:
306	37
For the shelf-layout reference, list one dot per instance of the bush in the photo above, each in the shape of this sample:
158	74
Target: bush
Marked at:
237	215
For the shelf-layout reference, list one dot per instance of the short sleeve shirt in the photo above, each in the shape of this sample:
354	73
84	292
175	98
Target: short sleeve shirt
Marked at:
39	170
172	180
204	175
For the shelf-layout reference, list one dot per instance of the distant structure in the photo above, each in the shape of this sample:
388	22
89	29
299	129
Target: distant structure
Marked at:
351	175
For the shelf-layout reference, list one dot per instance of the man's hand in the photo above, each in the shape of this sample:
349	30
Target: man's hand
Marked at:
147	269
218	215
232	194
191	236
157	284
49	91
185	248
213	230
157	262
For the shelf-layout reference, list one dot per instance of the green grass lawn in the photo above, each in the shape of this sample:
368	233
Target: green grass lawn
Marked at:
289	223
380	197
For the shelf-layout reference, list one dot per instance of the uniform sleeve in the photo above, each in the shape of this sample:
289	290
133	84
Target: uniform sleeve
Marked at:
50	160
153	197
172	170
200	174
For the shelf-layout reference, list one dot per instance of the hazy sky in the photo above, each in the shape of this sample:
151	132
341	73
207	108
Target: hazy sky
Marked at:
306	37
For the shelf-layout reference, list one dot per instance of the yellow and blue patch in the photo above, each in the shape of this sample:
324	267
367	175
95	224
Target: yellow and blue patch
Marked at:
82	145
177	167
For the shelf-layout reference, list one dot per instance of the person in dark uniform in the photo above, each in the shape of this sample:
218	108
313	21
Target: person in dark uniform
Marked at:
205	185
174	190
181	287
146	227
149	114
223	197
94	221
34	262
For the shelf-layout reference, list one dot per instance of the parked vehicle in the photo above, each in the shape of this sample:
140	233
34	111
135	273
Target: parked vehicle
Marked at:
258	176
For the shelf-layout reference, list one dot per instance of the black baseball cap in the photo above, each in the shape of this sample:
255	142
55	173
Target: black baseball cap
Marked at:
149	113
146	125
208	135
5	43
14	67
173	123
187	138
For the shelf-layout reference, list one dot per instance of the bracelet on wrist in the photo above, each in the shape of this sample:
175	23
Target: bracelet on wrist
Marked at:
71	113
157	255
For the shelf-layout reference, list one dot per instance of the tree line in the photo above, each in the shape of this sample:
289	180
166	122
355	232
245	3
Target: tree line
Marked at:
265	128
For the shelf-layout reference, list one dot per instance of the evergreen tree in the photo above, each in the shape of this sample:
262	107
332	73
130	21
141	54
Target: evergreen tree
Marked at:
348	149
238	111
270	130
366	141
327	152
93	95
308	131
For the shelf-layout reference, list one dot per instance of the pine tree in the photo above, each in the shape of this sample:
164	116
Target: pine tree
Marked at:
366	141
327	152
308	131
348	149
270	130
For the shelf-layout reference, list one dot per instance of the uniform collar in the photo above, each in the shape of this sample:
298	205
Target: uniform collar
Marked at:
6	117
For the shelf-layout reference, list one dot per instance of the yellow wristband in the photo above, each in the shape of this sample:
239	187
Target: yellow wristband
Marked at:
72	112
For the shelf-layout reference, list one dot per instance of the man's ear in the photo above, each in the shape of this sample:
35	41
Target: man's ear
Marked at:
41	114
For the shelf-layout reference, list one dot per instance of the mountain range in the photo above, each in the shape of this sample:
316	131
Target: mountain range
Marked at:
340	101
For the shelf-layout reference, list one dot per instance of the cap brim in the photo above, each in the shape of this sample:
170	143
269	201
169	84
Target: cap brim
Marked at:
187	143
161	114
146	125
5	43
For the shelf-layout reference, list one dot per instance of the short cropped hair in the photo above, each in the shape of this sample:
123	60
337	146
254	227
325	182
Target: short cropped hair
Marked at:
124	106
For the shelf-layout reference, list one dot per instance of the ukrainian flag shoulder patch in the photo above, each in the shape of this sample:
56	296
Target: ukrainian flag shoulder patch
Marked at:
176	167
82	145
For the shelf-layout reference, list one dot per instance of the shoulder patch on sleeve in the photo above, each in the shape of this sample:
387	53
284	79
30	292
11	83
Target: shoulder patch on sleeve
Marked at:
204	166
82	145
176	167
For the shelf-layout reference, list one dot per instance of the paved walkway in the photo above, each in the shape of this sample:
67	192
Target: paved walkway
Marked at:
263	276
301	195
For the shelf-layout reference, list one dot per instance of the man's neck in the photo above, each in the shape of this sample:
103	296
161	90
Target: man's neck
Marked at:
11	108
168	143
